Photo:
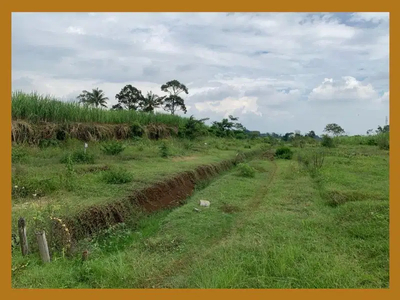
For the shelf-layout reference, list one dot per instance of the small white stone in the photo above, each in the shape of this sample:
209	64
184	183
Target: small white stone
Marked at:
205	203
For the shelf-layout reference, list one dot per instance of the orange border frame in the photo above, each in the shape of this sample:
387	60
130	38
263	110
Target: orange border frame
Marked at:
180	6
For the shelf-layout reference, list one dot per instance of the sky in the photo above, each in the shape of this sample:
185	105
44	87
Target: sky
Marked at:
277	72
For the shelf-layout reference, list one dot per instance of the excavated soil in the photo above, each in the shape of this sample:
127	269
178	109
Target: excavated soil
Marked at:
167	194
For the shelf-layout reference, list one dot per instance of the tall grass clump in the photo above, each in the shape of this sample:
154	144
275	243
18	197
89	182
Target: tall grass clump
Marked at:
383	141
311	161
117	176
246	171
112	148
327	141
79	157
284	153
37	108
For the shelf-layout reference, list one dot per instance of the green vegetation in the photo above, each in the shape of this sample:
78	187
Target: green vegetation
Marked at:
274	222
276	230
284	153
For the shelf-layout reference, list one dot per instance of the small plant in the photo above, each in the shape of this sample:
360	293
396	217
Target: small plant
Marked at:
79	156
164	150
187	145
119	176
45	143
70	174
284	153
246	171
18	155
312	162
383	141
112	148
327	141
136	130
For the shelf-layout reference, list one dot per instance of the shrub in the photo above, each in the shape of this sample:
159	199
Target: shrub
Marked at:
18	155
79	156
164	150
311	162
136	130
118	176
44	143
247	146
284	153
246	171
327	141
112	148
383	141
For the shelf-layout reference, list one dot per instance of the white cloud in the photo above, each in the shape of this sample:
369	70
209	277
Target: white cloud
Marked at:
261	66
77	30
230	106
347	89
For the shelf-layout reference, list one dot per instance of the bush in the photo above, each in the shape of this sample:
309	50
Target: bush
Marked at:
383	141
164	150
136	130
284	153
246	171
44	143
18	155
311	162
79	156
327	141
112	148
118	176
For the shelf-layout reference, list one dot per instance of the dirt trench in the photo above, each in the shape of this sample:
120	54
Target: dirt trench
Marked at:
163	195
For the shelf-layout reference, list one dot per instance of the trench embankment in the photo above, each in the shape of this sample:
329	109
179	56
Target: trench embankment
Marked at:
162	195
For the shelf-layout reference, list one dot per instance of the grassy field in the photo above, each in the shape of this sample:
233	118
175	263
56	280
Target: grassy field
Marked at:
316	221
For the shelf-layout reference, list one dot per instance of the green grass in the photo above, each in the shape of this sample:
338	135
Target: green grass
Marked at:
45	183
275	230
36	108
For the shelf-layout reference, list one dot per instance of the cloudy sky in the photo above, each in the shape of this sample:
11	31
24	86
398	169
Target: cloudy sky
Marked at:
278	72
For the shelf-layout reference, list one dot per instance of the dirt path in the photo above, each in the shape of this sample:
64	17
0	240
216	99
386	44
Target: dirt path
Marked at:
182	264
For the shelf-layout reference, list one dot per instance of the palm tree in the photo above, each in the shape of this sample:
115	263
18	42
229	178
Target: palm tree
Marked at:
95	98
151	102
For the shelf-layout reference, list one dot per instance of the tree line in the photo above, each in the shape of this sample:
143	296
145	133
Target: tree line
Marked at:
131	98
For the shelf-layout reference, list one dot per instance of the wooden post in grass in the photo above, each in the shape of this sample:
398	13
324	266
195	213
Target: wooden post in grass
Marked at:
22	236
43	248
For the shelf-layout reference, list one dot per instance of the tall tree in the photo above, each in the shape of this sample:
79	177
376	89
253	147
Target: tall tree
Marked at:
174	102
151	102
94	98
382	130
311	134
129	98
334	128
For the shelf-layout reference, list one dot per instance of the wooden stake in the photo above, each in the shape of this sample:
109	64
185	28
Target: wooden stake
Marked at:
22	236
43	248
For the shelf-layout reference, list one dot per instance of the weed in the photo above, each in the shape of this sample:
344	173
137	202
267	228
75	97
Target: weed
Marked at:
70	174
79	156
118	176
327	141
312	162
383	141
112	148
164	150
18	155
245	170
284	153
137	130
